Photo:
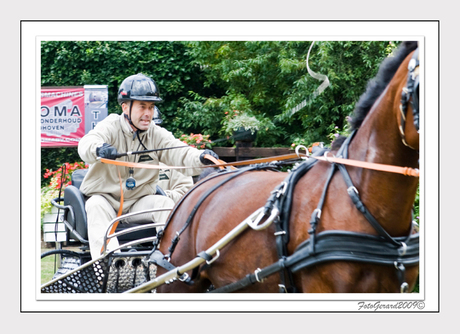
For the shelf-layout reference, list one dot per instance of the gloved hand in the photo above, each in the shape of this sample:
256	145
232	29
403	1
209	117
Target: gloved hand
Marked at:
107	151
206	161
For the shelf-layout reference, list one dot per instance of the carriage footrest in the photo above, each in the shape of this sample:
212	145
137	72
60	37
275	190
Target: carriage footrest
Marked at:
114	273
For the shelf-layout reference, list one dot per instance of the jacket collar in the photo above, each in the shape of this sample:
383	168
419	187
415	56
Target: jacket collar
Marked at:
128	130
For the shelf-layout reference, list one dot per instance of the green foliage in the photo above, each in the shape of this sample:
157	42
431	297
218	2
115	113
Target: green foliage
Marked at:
268	79
242	121
202	82
348	66
77	63
53	158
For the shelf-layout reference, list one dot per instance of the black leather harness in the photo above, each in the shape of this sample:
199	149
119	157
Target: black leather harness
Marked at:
329	246
321	247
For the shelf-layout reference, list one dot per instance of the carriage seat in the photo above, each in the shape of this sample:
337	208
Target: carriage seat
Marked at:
74	197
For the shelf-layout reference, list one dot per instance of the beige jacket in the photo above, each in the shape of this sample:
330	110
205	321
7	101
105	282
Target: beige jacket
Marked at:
174	183
103	178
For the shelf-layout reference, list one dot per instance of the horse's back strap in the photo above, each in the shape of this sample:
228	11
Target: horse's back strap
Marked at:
337	246
206	195
351	246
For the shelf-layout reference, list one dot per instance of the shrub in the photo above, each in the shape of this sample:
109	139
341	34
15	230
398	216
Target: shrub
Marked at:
196	140
59	179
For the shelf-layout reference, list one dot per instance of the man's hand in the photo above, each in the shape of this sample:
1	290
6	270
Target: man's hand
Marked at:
107	151
206	161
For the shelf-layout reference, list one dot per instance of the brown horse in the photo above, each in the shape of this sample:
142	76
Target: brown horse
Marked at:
380	136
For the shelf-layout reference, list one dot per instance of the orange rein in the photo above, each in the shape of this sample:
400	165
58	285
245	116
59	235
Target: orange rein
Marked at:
120	211
407	171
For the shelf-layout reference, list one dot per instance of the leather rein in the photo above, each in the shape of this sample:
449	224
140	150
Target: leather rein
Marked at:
407	171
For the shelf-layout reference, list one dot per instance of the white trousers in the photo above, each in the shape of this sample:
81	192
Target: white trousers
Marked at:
100	213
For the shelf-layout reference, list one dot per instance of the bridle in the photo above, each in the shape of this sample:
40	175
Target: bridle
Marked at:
410	93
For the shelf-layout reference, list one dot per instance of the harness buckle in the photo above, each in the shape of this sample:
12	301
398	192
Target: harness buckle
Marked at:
256	273
307	153
214	258
283	190
280	191
183	277
403	249
282	288
318	213
326	157
404	287
352	188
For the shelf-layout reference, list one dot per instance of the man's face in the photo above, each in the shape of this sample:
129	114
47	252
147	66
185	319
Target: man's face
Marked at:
141	113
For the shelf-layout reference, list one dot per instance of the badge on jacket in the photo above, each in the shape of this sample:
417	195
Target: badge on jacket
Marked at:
144	157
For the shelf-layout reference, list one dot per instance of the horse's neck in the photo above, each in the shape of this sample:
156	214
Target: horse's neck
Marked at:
388	196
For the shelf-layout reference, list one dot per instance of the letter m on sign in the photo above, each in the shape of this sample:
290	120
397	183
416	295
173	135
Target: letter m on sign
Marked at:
62	112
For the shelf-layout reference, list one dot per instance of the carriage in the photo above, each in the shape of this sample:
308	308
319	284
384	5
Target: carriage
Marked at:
339	221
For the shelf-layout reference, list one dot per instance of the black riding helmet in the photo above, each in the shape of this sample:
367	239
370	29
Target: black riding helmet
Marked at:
157	117
138	87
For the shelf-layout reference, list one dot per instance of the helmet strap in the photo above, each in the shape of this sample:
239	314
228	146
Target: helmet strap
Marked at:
136	133
129	117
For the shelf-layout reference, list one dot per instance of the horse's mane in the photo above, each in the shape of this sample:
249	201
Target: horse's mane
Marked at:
376	86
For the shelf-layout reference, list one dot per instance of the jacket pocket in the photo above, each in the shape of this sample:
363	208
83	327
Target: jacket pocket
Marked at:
91	185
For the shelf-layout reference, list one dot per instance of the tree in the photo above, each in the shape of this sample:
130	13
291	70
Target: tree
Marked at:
201	82
267	79
78	63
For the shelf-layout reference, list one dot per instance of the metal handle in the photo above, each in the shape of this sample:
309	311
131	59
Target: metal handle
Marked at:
256	217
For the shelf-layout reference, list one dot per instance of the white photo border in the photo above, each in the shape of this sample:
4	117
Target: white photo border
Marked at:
33	32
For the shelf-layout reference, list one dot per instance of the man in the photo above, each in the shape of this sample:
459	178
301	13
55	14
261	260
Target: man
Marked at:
131	131
173	183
